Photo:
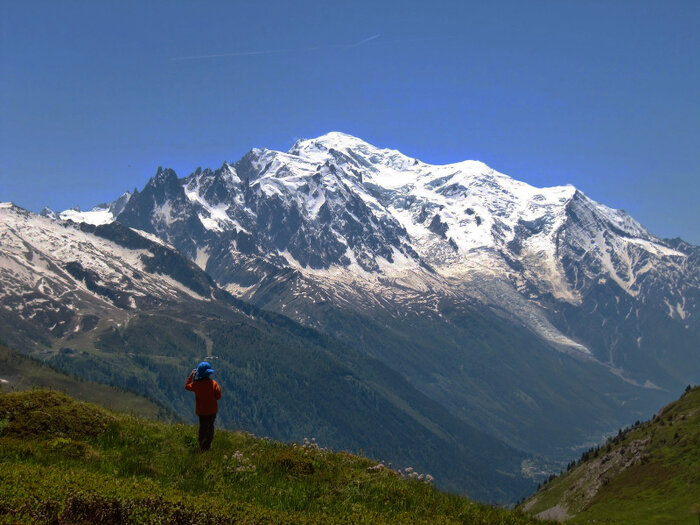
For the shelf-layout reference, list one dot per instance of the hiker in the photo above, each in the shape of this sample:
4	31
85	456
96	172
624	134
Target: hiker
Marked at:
206	393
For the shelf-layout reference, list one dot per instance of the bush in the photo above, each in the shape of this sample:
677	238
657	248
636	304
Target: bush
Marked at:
36	413
292	462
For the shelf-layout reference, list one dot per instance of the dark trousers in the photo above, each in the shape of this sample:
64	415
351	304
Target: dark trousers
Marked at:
206	431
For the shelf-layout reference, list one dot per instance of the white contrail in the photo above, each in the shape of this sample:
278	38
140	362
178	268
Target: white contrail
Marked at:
361	42
316	48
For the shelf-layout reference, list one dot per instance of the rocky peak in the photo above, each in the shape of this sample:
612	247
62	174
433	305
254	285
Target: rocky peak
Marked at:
164	178
117	206
49	213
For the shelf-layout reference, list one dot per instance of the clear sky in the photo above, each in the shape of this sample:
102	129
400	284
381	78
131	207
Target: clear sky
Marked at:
605	95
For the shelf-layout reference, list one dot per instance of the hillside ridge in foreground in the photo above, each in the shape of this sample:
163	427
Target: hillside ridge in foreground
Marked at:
66	461
648	473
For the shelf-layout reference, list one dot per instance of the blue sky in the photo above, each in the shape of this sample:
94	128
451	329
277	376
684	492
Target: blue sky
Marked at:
604	95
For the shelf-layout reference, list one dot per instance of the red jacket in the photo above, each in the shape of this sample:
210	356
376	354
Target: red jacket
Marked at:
206	393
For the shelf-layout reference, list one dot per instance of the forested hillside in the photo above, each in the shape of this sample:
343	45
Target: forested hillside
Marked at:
19	372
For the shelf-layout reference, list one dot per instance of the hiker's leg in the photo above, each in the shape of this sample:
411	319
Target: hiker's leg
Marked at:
202	431
209	434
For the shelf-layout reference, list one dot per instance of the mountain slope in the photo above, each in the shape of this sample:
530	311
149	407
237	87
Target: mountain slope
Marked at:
18	373
646	474
491	373
371	245
65	461
119	307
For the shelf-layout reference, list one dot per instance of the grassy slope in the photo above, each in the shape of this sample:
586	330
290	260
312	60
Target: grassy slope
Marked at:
24	373
76	462
661	484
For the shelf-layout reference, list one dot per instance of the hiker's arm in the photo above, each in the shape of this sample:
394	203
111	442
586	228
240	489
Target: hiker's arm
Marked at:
188	383
217	390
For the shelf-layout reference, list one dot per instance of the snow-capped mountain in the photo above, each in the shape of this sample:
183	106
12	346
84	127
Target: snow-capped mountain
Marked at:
100	214
369	244
337	202
337	207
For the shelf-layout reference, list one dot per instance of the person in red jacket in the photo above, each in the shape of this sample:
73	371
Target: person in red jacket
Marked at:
207	392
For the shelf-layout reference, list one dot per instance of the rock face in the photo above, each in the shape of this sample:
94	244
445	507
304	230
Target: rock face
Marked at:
403	260
64	276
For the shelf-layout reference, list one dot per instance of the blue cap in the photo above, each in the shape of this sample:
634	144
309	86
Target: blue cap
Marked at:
204	369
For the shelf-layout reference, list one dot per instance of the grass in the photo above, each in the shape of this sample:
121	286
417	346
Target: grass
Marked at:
67	461
661	484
